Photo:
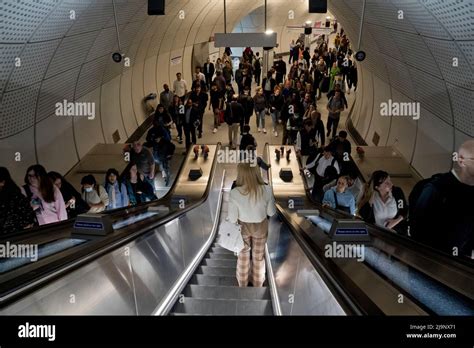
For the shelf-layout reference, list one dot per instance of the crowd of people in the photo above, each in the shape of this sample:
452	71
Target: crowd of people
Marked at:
47	197
285	98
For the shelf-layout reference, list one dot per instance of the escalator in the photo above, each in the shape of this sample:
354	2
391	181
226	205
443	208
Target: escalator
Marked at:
213	288
170	264
396	276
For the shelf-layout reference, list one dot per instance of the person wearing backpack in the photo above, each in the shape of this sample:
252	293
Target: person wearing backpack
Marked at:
384	204
257	68
94	194
441	210
338	197
318	166
116	190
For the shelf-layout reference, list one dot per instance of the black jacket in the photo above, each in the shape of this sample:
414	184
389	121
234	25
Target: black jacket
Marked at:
442	215
247	139
236	115
211	70
194	116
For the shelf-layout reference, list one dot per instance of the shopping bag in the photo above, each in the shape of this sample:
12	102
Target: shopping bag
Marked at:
230	237
221	116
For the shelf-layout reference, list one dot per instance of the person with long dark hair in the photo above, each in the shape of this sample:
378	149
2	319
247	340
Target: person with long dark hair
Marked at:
384	204
72	199
16	213
45	198
138	189
116	190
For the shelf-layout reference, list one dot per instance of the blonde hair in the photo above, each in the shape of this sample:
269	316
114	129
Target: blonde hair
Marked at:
249	181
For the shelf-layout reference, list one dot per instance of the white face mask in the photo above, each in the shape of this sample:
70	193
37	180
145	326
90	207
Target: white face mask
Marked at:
88	189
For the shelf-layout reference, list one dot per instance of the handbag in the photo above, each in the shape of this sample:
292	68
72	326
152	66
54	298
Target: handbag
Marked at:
229	237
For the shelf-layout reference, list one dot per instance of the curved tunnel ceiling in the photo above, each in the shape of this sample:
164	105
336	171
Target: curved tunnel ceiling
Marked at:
63	58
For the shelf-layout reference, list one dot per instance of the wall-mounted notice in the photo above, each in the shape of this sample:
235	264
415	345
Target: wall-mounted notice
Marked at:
176	60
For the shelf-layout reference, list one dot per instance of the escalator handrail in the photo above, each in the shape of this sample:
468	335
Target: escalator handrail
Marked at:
115	213
75	261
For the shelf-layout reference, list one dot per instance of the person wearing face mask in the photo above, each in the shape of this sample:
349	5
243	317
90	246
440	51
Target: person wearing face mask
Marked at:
45	198
94	194
339	197
16	214
384	204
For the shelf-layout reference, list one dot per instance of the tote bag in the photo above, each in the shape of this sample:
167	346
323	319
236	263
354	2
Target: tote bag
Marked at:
230	237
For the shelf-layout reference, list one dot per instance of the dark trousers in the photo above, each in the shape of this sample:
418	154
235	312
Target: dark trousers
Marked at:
334	122
284	135
208	80
190	134
201	115
258	75
279	78
179	129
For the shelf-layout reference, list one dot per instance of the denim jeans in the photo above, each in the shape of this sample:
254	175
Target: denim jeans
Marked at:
260	118
275	117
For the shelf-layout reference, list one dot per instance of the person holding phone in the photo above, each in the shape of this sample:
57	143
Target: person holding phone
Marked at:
45	198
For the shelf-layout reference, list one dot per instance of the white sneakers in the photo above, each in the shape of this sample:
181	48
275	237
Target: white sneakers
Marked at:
264	131
259	130
215	130
163	174
275	133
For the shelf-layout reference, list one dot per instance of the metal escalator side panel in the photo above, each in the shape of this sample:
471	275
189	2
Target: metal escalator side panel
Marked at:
74	259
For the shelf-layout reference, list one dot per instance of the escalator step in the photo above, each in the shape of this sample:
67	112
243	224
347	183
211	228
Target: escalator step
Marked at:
226	292
201	279
217	256
223	307
220	263
216	271
220	250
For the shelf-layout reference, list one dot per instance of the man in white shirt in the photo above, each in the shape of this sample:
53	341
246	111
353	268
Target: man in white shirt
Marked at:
180	87
322	162
199	74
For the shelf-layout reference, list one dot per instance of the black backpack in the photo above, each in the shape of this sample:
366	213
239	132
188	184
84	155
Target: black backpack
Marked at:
436	180
319	156
257	65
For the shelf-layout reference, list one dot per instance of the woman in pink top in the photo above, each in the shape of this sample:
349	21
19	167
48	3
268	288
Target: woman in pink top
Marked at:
45	198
